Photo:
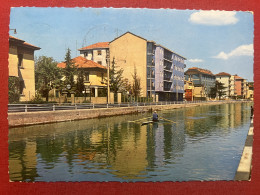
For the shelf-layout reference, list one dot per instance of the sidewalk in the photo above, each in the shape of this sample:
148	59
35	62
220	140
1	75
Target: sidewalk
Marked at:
245	165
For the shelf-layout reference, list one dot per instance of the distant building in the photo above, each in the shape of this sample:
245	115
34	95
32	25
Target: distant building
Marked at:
98	52
94	75
21	65
189	90
228	82
241	87
161	70
251	90
202	78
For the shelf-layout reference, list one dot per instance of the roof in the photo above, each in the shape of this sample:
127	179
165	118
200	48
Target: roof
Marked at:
96	46
204	71
81	62
148	41
171	51
128	33
223	74
23	43
238	77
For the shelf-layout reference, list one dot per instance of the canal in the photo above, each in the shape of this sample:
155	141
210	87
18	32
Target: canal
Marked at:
202	143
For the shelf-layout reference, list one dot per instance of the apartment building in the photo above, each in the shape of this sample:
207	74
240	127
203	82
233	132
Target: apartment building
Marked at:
21	65
241	87
201	78
229	83
161	70
98	52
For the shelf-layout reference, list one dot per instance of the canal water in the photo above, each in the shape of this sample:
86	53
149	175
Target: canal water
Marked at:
202	143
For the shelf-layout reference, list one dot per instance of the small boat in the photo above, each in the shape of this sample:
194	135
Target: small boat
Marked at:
149	122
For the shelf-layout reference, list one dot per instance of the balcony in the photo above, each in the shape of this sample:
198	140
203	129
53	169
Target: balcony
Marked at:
166	88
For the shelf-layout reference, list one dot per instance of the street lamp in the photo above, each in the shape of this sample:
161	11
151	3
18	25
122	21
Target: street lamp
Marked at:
14	29
68	86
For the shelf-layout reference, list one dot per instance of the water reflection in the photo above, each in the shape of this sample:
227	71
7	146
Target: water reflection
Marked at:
113	149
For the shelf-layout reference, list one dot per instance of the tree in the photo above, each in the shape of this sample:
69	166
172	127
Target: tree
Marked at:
136	87
14	89
116	78
47	75
218	90
80	87
69	70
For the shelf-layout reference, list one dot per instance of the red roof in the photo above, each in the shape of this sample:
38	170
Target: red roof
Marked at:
81	62
96	45
205	71
20	41
237	77
223	74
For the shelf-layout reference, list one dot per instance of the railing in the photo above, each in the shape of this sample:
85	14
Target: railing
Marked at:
68	106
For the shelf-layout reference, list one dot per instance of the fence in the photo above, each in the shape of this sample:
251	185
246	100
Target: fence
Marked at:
69	106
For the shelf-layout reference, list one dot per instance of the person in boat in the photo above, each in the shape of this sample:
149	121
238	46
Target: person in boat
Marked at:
155	116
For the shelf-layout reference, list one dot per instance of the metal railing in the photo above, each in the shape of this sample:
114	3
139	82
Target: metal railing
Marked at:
70	106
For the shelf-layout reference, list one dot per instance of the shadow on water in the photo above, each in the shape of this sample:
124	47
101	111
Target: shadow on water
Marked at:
114	149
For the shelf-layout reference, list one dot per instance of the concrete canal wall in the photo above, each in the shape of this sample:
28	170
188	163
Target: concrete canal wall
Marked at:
31	118
245	164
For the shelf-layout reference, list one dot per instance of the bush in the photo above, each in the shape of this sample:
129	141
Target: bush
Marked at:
86	101
14	89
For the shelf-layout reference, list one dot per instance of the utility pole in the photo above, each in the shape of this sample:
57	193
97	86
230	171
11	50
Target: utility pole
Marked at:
108	82
150	81
177	95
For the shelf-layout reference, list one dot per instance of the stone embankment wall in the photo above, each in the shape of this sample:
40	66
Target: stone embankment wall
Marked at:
31	118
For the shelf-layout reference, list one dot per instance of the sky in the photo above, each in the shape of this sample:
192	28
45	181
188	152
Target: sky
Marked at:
220	41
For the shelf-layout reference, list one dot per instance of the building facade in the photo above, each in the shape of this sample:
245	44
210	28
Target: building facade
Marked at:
228	82
98	52
201	78
21	65
94	75
241	87
161	70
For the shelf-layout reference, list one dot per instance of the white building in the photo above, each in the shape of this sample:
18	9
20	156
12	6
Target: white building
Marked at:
229	82
98	52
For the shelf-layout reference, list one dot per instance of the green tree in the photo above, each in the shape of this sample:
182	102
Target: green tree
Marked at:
14	89
218	90
136	87
116	78
70	69
80	87
47	75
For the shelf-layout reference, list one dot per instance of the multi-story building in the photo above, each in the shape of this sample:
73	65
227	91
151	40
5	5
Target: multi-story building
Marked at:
228	82
241	87
94	75
98	52
21	65
251	90
161	70
202	78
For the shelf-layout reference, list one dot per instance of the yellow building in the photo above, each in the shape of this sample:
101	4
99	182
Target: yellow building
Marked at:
21	65
95	75
130	51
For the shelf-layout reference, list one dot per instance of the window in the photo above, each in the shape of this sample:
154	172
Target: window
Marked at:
20	60
99	62
99	52
87	76
85	54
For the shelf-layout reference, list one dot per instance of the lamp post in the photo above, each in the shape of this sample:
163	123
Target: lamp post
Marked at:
108	82
14	29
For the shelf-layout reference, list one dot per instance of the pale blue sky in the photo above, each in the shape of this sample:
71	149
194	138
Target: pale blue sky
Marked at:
218	41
